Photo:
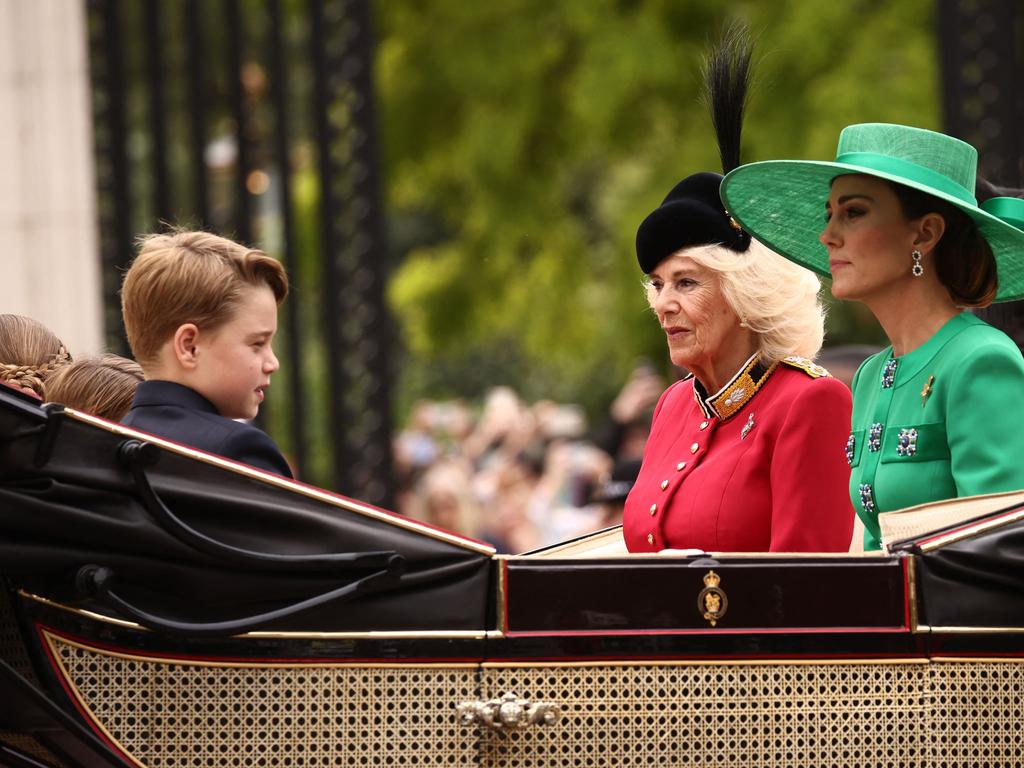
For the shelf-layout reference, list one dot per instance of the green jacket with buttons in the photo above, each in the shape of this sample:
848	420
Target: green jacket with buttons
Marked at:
942	421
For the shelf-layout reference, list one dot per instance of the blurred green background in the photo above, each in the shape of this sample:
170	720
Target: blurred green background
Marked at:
520	145
524	141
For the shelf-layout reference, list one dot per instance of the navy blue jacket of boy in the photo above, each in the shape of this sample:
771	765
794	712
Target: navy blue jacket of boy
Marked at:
181	414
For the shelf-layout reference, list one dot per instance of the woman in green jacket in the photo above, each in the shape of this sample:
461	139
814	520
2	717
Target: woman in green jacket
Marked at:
895	224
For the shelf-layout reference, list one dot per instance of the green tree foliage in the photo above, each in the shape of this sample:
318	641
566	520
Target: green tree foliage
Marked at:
524	141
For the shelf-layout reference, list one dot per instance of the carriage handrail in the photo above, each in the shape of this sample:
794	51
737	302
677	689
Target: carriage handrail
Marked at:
98	582
137	455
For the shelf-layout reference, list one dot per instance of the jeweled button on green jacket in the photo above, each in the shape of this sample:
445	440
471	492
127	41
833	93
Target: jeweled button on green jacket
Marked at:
942	421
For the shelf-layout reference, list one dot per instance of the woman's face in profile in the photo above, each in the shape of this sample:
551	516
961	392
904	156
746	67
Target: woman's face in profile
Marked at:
692	311
868	238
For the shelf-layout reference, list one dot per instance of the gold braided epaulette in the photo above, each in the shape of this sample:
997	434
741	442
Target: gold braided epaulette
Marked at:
809	367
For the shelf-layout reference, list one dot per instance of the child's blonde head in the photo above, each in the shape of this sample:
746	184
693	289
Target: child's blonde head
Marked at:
103	386
29	352
189	277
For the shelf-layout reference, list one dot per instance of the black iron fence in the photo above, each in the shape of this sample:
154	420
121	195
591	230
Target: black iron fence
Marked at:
982	55
982	45
255	119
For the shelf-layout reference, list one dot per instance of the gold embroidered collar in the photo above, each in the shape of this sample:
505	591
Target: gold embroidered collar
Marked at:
738	391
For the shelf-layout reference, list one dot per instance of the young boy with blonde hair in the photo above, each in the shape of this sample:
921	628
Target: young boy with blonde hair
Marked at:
200	312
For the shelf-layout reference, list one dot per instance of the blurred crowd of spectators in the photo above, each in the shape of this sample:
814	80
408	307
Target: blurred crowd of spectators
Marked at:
521	475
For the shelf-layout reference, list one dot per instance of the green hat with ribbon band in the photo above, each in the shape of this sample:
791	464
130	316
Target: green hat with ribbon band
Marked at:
782	202
1009	209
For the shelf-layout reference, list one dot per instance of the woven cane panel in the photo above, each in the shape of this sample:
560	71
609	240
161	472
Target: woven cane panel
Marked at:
29	746
721	715
178	715
978	714
12	648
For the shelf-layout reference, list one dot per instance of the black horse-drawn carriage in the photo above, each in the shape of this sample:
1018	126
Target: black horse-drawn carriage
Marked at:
163	607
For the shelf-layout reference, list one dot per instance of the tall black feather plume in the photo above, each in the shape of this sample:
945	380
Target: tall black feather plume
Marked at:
726	73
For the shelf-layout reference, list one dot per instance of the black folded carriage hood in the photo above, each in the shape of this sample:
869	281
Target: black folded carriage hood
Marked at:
98	516
970	576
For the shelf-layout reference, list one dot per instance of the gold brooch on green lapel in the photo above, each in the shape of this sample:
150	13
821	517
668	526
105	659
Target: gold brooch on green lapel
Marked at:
927	390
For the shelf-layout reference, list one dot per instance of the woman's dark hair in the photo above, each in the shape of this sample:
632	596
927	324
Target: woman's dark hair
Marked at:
963	259
985	189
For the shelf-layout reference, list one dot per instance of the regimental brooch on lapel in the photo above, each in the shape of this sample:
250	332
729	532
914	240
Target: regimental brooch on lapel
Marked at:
712	601
747	427
926	391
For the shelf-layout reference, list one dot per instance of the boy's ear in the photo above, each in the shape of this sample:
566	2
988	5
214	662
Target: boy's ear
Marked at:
184	345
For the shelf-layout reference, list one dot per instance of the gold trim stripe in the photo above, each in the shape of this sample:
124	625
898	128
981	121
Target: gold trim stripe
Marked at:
726	662
469	634
972	530
81	611
501	607
624	557
911	595
53	638
976	630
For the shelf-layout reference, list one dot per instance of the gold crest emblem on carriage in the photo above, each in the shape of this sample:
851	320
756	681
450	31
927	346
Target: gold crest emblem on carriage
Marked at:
712	601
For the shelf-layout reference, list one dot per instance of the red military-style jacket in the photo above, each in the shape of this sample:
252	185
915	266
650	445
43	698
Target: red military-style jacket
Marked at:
758	466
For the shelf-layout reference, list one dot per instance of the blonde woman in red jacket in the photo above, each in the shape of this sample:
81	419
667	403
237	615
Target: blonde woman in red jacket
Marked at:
747	453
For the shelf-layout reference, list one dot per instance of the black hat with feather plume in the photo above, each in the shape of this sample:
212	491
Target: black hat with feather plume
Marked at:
692	214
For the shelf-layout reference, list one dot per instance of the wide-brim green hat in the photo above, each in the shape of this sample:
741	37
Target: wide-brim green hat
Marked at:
782	202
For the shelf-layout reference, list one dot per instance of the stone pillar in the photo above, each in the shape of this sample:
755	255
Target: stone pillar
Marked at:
49	253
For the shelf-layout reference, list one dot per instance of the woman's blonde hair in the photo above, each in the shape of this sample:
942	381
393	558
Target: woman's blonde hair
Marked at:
776	299
29	352
103	386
